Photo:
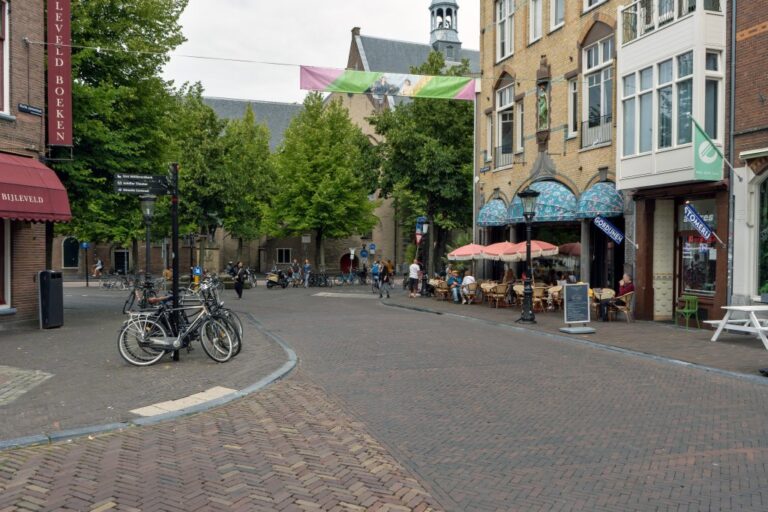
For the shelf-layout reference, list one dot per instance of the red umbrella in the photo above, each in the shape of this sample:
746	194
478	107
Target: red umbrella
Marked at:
538	249
570	249
467	252
503	251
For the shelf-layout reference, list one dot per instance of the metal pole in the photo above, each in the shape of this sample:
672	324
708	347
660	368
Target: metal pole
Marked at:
527	316
425	257
175	236
147	251
87	269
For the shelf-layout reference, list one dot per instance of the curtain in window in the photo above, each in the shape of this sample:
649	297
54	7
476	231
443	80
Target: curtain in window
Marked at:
665	117
684	110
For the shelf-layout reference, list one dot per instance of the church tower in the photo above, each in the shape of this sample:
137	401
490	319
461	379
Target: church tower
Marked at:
445	29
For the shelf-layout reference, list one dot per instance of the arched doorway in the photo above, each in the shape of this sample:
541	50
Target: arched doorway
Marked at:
347	262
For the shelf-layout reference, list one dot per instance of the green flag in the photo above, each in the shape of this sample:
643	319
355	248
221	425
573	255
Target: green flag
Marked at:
707	159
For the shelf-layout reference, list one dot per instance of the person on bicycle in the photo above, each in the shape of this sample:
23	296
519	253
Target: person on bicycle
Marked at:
376	272
239	279
98	267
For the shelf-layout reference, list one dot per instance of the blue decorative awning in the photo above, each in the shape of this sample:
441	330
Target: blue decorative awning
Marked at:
601	199
493	213
556	203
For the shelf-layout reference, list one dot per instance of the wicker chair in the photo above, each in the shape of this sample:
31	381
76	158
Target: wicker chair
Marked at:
539	298
442	291
471	292
625	306
555	297
519	290
498	294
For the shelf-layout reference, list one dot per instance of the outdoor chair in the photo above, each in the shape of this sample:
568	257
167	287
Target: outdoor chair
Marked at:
599	295
690	309
519	290
471	292
539	297
498	294
442	291
555	297
625	306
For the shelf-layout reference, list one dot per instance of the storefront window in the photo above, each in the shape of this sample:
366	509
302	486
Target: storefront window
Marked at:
699	254
762	282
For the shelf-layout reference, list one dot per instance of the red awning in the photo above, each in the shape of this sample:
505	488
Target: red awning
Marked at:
31	191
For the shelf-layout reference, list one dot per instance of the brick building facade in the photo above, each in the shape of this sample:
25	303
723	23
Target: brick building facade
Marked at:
30	193
545	120
748	147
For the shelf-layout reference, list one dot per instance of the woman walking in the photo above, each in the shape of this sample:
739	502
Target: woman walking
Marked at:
385	281
239	279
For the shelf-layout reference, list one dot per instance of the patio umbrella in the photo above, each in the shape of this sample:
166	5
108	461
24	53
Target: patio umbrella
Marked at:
503	251
538	249
570	249
467	252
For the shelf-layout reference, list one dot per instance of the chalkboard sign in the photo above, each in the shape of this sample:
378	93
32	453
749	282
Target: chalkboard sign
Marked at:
576	303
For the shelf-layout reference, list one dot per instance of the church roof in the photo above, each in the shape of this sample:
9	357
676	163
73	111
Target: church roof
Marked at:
395	56
277	116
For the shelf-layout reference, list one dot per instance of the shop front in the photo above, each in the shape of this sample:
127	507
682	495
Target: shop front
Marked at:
674	259
30	196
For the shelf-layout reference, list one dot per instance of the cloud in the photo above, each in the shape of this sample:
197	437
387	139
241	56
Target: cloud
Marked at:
292	32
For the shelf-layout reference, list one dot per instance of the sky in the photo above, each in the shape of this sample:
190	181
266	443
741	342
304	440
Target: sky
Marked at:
294	32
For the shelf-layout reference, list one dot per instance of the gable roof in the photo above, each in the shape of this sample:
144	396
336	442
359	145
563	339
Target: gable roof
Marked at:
277	116
395	56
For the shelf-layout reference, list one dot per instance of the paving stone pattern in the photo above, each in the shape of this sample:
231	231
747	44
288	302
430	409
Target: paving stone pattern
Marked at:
14	382
288	448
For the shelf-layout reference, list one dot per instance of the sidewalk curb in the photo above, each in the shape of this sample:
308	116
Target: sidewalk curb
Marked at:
756	379
68	435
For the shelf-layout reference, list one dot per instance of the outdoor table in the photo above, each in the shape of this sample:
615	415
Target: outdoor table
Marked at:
752	324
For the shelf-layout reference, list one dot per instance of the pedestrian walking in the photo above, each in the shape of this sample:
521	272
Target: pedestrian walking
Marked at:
239	279
413	279
385	281
307	271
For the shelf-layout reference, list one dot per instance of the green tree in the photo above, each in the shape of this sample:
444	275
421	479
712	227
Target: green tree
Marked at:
249	174
121	109
427	156
320	177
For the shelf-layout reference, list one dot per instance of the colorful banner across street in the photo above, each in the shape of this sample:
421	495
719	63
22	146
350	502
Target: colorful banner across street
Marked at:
609	229
708	160
387	84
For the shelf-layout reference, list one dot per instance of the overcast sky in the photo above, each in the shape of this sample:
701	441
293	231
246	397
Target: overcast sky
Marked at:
294	32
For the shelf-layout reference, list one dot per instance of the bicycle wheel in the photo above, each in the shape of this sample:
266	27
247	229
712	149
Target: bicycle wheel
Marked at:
133	341
236	327
216	339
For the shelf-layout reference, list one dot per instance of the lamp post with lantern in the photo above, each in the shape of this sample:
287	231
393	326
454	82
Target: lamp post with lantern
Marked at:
148	211
528	197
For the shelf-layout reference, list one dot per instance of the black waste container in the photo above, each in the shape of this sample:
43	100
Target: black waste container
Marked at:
51	290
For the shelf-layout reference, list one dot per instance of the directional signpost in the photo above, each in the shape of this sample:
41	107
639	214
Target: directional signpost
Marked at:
142	184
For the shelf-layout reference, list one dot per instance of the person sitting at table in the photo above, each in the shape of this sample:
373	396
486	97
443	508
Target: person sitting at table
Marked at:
509	276
625	286
454	283
466	298
561	281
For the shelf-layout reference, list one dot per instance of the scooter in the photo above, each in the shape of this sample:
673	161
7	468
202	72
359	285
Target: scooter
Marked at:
277	278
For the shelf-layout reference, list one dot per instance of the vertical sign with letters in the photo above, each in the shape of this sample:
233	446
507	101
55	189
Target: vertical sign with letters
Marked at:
59	73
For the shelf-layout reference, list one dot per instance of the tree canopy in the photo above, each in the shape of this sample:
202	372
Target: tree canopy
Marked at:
322	179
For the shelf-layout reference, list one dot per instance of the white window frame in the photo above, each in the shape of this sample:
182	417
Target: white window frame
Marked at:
553	25
508	34
714	75
277	255
505	104
637	94
573	105
676	94
488	137
603	63
519	125
595	4
7	264
535	13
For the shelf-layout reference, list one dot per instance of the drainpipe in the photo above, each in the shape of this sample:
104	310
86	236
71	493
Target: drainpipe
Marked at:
731	152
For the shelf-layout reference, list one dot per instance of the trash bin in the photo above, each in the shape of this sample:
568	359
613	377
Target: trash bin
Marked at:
51	295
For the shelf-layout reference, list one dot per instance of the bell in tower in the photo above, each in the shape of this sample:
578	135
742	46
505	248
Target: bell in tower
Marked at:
445	29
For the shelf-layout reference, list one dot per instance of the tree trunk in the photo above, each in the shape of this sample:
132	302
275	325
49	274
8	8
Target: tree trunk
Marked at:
320	249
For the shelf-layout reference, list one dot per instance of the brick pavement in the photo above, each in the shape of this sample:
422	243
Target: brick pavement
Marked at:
288	448
732	352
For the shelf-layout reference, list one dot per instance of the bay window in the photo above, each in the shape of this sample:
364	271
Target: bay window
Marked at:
630	92
684	98
712	87
505	28
665	103
638	112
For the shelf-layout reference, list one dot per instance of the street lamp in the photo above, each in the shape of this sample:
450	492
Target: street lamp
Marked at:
425	257
148	211
528	197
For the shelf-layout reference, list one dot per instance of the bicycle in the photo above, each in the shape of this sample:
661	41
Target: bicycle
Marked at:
144	338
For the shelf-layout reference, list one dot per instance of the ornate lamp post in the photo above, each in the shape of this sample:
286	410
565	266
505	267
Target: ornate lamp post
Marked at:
528	197
148	210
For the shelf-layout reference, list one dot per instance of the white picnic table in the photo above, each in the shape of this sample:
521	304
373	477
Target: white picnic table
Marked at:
751	324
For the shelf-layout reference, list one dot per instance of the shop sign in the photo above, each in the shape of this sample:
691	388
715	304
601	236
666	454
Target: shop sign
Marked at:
693	218
576	303
59	73
609	229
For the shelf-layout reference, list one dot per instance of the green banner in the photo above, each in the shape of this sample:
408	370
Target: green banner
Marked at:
707	159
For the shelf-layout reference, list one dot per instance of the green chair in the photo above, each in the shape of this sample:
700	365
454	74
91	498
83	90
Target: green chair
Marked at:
689	309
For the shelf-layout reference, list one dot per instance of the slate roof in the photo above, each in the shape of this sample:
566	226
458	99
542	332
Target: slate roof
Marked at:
395	56
277	116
